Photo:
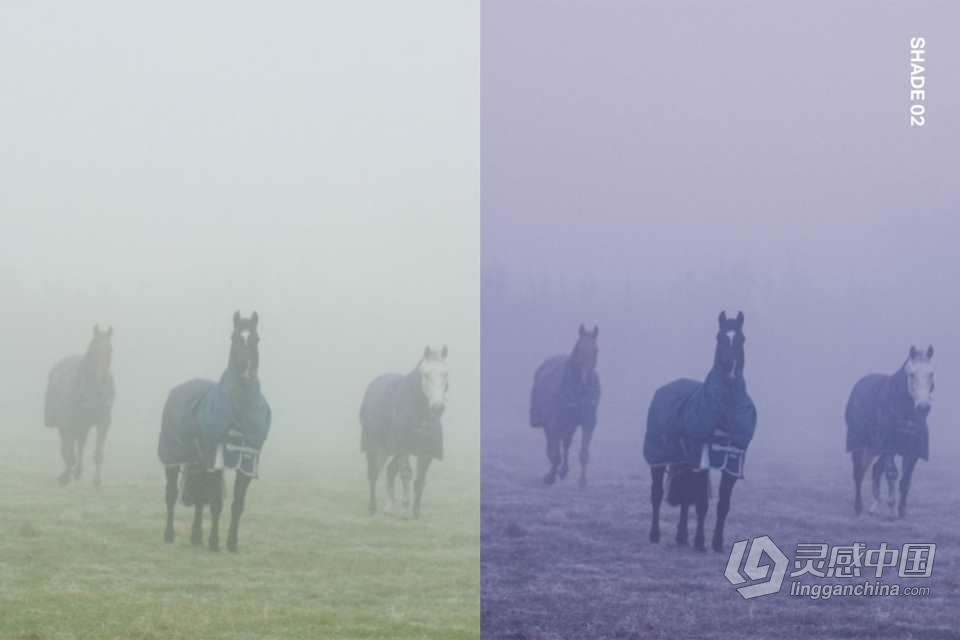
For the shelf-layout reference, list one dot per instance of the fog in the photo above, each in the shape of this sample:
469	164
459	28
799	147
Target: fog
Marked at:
166	166
645	167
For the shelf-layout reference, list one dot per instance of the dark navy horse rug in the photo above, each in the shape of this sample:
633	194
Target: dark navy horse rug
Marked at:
559	396
700	425
880	416
74	400
394	417
214	425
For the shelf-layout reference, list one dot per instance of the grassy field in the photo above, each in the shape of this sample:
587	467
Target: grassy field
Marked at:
563	563
77	563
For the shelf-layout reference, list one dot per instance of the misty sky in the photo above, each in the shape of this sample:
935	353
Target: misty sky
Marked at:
165	165
637	137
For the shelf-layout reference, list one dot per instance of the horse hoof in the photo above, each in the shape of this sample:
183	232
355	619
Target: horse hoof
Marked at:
64	478
196	541
549	479
718	546
654	536
682	539
562	473
232	547
215	547
700	546
168	536
857	507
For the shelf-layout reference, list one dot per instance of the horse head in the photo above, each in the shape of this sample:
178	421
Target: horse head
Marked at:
434	379
244	348
100	352
920	383
585	352
729	356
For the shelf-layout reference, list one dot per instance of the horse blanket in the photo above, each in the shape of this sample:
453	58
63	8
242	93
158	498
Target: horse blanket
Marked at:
704	425
561	397
395	418
215	425
880	416
75	399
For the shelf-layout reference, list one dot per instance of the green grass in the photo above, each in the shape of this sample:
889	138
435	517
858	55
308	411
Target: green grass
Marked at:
77	563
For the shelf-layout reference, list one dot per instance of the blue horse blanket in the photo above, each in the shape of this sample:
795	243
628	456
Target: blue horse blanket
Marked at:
560	397
701	424
75	400
395	418
880	416
215	425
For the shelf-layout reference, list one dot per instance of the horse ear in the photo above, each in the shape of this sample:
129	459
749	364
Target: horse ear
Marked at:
929	352
583	330
722	320
236	319
443	352
740	320
596	331
253	320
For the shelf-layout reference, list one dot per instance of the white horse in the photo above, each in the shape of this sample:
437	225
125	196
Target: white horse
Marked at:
401	416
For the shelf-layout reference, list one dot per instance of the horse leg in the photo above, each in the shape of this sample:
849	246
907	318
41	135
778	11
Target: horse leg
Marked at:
173	474
240	487
875	474
861	460
585	437
656	498
98	453
406	474
373	472
392	467
566	441
909	462
702	489
67	452
891	476
216	508
81	440
553	454
196	531
682	534
423	463
727	481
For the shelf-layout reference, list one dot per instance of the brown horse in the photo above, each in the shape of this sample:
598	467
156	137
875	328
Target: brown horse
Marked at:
565	395
80	396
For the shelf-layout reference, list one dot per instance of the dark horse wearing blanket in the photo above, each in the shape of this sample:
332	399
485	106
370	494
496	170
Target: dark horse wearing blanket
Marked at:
80	396
400	416
886	416
208	426
695	426
565	395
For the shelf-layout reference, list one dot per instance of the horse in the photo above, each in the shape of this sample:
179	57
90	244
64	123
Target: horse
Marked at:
400	416
886	416
695	426
79	396
208	426
565	395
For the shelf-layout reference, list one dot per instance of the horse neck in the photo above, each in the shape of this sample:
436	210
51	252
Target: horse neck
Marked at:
414	387
898	395
89	366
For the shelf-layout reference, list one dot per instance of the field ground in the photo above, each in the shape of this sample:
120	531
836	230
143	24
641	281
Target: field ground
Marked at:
561	563
77	563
